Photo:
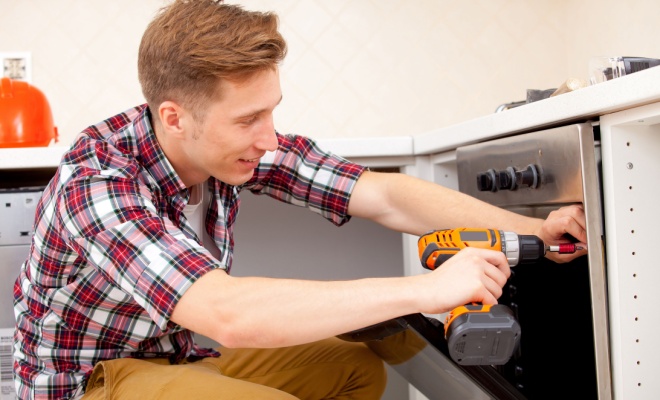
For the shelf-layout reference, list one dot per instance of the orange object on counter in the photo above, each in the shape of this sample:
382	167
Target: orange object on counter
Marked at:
26	119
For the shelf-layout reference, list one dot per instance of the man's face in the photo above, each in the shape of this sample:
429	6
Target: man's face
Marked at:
237	131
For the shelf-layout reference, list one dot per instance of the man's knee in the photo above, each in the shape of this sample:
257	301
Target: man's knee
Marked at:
368	374
374	369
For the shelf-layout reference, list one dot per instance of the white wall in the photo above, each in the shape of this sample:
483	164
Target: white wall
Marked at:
355	68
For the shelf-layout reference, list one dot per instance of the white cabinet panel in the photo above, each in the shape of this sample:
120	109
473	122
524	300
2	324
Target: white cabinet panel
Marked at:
630	155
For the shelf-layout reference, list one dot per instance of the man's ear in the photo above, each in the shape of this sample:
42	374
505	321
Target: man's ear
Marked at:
172	118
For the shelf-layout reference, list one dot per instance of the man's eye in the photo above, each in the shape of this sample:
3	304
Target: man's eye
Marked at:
249	121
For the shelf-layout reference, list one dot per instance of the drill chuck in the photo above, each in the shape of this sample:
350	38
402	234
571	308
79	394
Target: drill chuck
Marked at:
522	249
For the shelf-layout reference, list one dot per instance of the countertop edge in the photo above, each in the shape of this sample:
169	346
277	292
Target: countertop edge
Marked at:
31	157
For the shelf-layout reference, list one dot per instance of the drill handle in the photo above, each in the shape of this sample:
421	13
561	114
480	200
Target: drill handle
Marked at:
433	255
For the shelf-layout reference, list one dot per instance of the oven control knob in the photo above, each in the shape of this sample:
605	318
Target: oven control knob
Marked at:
507	179
486	181
529	176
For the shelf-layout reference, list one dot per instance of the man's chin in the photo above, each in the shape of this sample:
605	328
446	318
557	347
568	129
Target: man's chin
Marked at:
236	179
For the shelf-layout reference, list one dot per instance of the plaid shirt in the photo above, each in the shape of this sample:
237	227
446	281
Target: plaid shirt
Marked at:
113	252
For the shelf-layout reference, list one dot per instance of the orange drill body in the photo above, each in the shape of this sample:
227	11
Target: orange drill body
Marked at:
483	334
436	247
479	334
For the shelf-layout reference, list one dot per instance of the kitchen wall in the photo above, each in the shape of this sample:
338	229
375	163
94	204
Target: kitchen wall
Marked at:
355	68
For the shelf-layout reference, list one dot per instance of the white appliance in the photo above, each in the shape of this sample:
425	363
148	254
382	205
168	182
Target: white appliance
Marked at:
17	210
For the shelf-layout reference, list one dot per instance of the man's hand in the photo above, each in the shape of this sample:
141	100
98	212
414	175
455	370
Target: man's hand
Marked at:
470	276
565	225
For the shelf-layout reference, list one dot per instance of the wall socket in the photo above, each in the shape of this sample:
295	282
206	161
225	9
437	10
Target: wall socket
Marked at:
16	65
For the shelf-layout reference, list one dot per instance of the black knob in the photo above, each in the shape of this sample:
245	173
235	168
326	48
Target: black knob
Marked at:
528	177
486	181
507	179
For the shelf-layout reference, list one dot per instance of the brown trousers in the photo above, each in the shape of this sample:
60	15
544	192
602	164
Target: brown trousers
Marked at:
328	369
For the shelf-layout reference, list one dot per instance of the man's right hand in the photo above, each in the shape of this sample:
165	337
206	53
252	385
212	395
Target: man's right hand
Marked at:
470	276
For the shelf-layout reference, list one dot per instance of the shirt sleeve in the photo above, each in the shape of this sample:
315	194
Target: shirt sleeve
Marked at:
111	221
299	172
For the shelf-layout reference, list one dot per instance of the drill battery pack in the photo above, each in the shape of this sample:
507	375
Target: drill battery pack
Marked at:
482	334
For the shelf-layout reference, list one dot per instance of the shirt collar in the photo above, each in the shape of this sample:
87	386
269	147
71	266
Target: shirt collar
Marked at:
152	157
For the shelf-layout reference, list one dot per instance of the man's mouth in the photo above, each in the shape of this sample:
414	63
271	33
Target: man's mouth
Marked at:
251	160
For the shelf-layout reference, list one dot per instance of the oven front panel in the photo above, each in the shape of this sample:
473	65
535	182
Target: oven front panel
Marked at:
554	157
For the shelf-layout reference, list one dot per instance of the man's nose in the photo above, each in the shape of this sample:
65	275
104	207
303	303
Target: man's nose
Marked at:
267	137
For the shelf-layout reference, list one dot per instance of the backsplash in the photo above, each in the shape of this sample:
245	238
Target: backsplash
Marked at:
358	68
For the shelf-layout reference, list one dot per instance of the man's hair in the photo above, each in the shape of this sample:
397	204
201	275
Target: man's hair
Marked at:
193	44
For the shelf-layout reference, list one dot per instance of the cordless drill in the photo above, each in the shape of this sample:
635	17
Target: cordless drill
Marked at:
483	334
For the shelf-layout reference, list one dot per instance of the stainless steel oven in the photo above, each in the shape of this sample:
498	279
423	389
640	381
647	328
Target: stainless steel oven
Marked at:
561	308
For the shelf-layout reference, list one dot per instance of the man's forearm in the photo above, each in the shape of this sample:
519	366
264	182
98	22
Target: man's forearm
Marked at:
267	312
415	206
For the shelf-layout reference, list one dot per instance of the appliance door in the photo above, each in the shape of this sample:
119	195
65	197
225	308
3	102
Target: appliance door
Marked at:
11	258
17	210
415	347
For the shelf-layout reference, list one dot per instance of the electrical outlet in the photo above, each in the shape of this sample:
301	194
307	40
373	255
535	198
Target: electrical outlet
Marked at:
17	65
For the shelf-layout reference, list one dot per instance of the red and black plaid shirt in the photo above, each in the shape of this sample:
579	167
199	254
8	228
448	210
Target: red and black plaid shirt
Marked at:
113	252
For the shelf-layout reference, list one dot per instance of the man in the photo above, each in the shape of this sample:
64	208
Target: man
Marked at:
133	238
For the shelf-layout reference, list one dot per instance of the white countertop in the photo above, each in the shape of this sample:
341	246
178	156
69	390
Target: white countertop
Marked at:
626	92
31	157
636	89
